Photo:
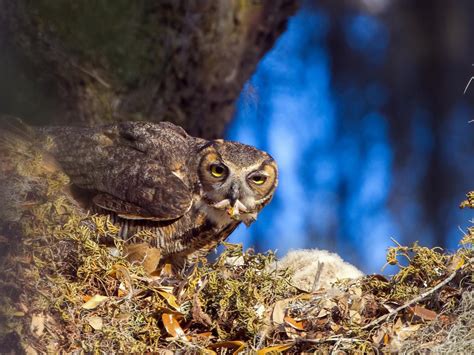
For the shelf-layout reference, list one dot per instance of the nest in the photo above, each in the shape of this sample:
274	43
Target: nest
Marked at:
63	290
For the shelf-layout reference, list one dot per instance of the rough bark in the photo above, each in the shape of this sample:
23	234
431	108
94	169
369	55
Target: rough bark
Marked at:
92	62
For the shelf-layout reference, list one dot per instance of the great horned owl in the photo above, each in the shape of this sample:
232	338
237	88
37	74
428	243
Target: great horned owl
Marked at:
190	192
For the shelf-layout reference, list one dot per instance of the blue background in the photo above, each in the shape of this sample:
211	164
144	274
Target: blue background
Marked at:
348	184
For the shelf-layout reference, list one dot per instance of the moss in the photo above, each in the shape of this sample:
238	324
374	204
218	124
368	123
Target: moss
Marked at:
66	264
238	289
56	274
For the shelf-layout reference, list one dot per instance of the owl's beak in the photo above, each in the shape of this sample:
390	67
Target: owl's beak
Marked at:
234	210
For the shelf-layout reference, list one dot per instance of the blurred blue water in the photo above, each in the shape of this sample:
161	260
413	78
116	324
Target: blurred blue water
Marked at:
332	147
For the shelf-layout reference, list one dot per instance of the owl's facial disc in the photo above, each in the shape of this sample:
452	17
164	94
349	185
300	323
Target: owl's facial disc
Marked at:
237	179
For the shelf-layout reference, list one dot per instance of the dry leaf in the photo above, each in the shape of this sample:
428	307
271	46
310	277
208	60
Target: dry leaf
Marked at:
278	314
322	313
122	290
170	299
231	344
274	349
355	317
198	314
294	323
455	263
172	326
405	332
143	254
446	320
96	323
166	270
306	296
423	313
37	324
121	273
94	302
86	298
398	324
378	336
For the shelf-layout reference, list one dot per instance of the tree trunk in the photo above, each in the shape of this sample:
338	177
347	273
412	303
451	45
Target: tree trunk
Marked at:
94	62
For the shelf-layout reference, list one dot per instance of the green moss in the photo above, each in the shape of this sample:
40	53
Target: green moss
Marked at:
238	290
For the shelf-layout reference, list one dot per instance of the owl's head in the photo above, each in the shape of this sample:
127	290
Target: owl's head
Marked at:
237	178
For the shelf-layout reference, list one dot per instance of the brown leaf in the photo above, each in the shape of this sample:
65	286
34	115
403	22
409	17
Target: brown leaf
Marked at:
121	273
166	271
96	323
378	336
94	302
230	344
172	326
355	317
143	254
370	307
275	349
456	262
294	323
406	331
199	316
278	314
37	324
423	313
170	299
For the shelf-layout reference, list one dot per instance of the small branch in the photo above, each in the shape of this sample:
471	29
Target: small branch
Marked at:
415	300
92	75
317	276
335	339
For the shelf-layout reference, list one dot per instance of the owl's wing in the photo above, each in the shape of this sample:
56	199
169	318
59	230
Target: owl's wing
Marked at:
152	138
156	192
139	183
123	209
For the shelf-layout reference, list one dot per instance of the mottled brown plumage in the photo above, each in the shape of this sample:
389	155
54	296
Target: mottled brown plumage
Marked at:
179	193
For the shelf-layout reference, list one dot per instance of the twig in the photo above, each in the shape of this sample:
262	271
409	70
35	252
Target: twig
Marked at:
92	75
414	300
336	338
317	276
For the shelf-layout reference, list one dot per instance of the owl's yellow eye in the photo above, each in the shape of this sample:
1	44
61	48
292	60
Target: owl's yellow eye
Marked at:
258	179
217	170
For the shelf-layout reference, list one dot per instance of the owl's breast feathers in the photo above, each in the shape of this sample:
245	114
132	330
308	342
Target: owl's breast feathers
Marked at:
194	234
